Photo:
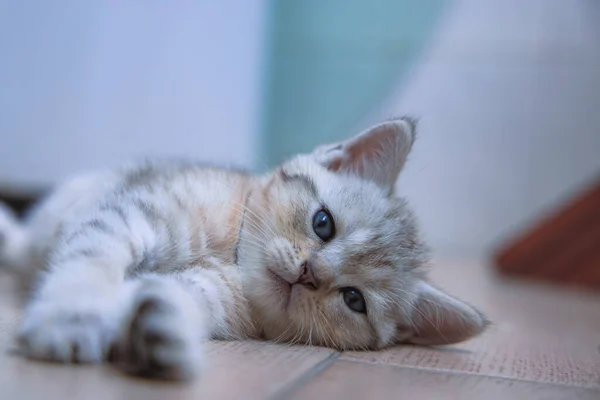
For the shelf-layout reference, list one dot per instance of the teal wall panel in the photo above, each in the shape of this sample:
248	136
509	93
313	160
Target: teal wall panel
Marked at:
331	61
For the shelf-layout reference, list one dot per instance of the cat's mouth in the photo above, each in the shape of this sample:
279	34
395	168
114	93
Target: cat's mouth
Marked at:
275	277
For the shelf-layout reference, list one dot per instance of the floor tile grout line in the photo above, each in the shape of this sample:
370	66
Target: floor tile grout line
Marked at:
289	389
456	372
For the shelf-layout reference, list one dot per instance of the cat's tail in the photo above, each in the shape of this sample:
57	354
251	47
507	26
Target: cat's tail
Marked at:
13	240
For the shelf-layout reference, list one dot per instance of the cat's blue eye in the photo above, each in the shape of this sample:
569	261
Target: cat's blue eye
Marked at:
323	225
354	299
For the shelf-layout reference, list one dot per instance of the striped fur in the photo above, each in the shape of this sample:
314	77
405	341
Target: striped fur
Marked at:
137	266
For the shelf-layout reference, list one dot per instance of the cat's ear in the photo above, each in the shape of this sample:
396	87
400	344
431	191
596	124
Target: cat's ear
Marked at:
377	154
438	318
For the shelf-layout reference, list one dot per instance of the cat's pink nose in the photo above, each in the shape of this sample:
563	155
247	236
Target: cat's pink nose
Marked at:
307	278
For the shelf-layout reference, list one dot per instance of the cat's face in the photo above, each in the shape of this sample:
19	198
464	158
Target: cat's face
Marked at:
330	257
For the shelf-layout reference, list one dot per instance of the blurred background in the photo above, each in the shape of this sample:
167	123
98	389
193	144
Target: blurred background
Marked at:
507	92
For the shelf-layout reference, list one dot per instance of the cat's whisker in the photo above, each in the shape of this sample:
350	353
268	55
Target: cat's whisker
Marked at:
249	218
283	334
308	341
321	331
292	336
259	231
328	329
264	219
254	242
318	334
323	335
253	238
315	325
297	336
303	329
253	222
260	219
258	244
258	235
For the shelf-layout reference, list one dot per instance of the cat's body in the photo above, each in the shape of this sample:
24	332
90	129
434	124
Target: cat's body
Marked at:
141	264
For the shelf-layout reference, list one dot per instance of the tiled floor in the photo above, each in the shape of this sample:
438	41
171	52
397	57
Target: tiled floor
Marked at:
544	344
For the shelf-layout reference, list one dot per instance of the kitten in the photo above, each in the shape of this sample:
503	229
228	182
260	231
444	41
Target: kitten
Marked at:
140	265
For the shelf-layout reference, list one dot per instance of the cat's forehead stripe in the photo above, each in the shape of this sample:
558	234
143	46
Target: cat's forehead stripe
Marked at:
303	179
370	258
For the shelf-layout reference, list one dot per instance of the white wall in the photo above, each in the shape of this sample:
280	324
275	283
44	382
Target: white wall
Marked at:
89	84
509	100
508	94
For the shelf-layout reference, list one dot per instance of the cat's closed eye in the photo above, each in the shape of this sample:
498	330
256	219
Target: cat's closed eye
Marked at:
354	299
323	225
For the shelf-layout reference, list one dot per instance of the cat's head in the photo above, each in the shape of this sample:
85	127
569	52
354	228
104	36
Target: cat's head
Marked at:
331	256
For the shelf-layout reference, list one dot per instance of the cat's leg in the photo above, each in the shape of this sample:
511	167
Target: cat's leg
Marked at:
78	303
171	315
162	332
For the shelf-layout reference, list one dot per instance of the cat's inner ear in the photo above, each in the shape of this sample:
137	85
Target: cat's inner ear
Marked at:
377	154
438	318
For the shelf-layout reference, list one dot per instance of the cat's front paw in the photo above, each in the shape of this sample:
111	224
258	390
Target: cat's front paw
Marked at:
54	333
161	337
